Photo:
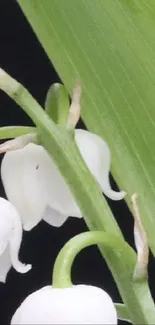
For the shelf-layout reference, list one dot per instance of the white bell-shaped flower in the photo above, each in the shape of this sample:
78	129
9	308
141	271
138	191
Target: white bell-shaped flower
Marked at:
96	154
41	191
81	304
10	240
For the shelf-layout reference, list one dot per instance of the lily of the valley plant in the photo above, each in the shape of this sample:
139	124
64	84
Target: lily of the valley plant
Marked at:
42	181
35	186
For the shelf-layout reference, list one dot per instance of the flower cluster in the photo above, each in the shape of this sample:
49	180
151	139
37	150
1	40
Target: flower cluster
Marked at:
37	190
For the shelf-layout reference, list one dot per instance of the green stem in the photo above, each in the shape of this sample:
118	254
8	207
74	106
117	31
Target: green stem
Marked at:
9	132
61	146
65	258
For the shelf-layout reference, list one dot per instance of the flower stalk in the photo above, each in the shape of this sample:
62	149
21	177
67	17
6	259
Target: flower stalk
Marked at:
64	261
75	109
19	142
10	132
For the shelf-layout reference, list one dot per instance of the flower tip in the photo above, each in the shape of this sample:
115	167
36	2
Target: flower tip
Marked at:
23	268
115	196
27	268
27	226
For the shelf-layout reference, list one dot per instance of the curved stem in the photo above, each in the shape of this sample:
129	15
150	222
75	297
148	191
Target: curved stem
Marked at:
9	132
65	258
140	294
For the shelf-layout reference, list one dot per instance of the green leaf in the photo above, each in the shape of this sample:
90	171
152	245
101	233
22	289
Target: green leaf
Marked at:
57	103
109	45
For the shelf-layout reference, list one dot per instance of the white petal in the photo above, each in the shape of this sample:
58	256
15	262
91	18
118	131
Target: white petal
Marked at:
10	234
5	224
5	233
96	155
53	217
21	172
77	305
33	182
60	197
38	184
5	264
15	242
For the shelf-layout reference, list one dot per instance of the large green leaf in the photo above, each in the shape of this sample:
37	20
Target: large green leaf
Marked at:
110	45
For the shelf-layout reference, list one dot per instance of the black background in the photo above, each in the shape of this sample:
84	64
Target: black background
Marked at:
22	56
